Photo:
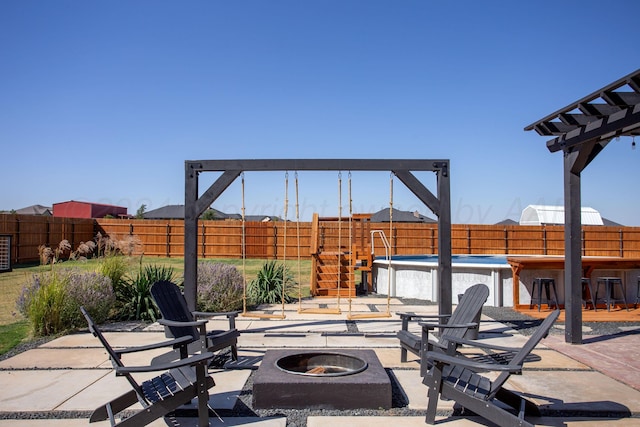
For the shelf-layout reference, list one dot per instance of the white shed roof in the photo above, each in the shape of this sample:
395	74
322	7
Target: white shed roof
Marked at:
541	214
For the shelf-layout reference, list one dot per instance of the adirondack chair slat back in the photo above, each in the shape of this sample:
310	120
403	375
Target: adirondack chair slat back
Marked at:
470	305
173	306
541	332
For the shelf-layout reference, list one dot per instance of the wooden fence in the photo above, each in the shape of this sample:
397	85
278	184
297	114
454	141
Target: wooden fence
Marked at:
28	232
271	240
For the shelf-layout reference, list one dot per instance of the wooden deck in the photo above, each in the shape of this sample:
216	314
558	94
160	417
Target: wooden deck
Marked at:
617	314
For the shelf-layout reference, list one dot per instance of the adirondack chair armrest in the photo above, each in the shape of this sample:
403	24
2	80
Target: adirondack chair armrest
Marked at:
166	322
432	326
436	356
177	342
189	361
412	316
481	345
230	315
227	314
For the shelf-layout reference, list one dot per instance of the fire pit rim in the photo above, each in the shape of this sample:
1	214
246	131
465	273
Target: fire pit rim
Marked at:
363	365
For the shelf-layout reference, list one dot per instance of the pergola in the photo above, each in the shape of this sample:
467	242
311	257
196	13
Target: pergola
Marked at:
439	204
581	130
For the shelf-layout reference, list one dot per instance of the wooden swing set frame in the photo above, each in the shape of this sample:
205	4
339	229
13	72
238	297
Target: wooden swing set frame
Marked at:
439	204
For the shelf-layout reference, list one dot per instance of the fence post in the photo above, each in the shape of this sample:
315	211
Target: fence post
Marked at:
204	238
621	239
506	241
168	240
17	228
544	240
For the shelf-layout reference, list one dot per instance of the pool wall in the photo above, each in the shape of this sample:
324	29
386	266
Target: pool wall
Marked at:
417	277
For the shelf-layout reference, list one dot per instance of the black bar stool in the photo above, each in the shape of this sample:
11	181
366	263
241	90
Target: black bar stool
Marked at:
586	287
547	283
609	287
635	305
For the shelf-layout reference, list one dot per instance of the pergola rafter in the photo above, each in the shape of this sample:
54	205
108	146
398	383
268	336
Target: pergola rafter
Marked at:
582	130
439	204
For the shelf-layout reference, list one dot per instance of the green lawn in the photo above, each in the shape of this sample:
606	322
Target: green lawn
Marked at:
15	329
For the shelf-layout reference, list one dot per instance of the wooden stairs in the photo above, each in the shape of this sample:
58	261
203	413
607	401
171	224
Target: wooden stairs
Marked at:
332	275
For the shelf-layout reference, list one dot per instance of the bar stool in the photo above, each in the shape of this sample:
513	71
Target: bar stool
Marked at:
547	283
609	285
586	287
635	305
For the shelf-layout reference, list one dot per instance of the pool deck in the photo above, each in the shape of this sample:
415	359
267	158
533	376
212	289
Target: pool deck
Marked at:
595	384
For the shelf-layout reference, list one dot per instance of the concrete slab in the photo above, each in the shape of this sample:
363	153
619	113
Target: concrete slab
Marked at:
390	358
116	339
360	341
105	389
414	391
370	421
587	392
281	340
47	358
357	421
303	325
43	390
169	421
387	325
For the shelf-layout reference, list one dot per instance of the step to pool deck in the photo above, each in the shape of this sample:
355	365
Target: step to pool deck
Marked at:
59	383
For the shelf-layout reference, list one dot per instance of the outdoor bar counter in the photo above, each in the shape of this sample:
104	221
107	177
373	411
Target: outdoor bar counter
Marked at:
627	268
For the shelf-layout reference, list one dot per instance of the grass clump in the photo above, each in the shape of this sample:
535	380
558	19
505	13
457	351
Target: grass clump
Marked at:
51	300
272	282
134	295
13	334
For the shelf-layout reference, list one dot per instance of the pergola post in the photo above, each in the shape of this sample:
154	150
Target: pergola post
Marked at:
573	251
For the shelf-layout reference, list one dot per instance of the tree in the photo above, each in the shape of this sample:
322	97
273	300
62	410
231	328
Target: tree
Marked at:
141	210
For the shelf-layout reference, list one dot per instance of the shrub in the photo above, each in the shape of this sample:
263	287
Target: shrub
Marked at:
114	267
267	287
51	300
94	292
134	296
220	287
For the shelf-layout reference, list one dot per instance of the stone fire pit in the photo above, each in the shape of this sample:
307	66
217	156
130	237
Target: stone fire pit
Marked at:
321	379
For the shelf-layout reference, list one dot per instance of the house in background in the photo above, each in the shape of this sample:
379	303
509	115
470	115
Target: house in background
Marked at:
399	216
177	212
75	209
35	210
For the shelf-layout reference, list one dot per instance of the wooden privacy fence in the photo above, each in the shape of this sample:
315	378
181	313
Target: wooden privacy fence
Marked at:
28	232
275	240
269	240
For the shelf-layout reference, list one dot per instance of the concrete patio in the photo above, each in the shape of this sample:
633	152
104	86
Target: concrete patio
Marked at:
62	381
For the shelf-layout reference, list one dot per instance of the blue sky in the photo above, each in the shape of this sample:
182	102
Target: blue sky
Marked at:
104	101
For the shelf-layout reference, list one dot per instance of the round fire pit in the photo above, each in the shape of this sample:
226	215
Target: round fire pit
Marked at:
321	364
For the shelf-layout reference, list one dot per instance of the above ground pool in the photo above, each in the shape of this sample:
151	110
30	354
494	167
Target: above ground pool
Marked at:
416	276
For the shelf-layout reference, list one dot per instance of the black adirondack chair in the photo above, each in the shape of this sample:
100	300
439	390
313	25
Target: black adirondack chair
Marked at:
180	322
463	319
456	378
179	383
